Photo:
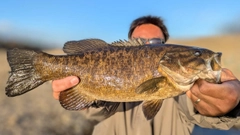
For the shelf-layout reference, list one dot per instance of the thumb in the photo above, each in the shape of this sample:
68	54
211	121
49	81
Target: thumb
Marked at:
227	75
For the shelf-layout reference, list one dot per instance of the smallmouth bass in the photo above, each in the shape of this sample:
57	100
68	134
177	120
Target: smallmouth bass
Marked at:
124	71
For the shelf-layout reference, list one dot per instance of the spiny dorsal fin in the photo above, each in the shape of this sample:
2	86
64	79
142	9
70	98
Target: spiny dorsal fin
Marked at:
151	108
131	42
76	47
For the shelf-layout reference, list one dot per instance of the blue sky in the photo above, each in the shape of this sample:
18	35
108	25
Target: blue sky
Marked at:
55	21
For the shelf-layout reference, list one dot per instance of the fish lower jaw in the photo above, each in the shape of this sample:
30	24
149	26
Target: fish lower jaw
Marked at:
217	74
211	76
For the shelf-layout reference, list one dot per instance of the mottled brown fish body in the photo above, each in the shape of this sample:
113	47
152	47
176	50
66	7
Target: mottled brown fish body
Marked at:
110	74
120	72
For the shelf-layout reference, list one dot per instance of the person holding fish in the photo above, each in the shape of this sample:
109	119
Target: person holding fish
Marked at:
212	105
212	93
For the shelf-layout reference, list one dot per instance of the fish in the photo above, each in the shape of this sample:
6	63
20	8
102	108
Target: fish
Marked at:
122	71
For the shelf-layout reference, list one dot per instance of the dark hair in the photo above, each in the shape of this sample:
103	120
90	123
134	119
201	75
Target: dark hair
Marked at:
149	20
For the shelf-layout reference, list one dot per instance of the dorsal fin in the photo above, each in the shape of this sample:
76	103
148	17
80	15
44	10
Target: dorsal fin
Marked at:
131	42
76	47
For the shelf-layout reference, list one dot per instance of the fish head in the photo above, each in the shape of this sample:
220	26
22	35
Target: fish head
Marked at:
185	64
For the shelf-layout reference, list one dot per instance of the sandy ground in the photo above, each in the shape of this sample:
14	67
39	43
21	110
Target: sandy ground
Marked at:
37	113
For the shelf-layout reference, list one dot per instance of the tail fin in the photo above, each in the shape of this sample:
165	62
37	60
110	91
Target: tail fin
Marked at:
23	77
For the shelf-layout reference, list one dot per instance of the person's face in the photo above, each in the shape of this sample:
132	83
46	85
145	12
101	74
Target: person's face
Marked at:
147	31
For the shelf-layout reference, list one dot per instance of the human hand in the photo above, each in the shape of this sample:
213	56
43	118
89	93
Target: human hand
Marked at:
63	84
216	99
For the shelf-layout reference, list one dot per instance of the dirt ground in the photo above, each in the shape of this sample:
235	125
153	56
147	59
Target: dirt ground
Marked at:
37	113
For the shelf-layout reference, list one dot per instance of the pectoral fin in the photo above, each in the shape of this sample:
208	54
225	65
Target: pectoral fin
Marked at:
150	108
72	99
151	86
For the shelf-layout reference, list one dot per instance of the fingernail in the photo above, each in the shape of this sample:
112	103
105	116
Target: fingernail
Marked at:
74	81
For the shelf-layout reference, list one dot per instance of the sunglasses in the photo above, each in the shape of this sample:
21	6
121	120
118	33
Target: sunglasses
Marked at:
152	41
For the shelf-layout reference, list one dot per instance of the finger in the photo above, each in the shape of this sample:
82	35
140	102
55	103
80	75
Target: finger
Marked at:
204	107
198	104
202	100
198	91
195	89
211	107
215	90
189	94
227	75
204	88
56	95
195	100
63	84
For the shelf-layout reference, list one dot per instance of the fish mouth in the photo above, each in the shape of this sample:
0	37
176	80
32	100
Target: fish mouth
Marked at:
216	61
214	68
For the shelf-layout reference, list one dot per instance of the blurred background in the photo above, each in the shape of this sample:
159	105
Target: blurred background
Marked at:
47	25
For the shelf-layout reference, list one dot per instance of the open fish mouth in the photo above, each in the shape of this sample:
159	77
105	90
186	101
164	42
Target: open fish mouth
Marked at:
214	68
216	61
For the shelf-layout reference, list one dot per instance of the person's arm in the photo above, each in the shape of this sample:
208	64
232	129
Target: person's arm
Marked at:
63	84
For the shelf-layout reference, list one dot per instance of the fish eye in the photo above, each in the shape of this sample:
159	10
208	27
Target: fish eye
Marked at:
197	53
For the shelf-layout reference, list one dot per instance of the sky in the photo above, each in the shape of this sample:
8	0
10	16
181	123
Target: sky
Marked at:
54	22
